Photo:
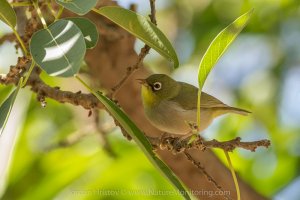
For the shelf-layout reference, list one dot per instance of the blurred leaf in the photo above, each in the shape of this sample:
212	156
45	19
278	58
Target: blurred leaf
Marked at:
5	90
59	49
219	45
88	29
78	6
142	142
142	28
7	14
6	107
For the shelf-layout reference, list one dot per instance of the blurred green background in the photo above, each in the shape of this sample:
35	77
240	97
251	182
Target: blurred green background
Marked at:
259	72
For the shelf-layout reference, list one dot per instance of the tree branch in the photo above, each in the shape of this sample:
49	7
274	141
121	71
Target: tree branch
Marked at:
87	101
176	145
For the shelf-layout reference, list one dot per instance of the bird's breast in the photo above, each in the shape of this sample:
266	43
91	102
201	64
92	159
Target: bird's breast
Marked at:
169	117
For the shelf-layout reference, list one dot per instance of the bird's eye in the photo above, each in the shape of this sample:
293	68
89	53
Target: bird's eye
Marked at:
157	86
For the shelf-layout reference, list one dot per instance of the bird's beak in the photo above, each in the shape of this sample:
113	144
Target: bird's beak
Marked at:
142	81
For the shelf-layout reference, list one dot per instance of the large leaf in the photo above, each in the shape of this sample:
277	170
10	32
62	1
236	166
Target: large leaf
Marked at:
7	14
88	29
142	28
6	107
80	7
219	45
216	49
142	142
59	49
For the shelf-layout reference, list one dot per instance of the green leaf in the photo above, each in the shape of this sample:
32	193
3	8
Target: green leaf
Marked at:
7	14
88	29
6	107
142	142
216	49
79	7
59	49
142	28
219	45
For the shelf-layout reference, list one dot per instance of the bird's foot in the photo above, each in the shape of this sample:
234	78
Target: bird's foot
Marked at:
166	141
181	143
194	127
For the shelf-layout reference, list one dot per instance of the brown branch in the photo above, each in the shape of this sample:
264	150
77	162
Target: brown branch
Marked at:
176	145
87	101
235	143
7	37
144	51
202	169
153	12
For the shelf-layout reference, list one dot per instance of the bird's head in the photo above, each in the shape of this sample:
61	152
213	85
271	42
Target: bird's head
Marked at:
158	87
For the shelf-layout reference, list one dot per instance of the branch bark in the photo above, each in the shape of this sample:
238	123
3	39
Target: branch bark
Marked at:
176	145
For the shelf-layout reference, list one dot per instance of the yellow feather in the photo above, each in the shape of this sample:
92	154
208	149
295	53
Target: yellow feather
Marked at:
149	98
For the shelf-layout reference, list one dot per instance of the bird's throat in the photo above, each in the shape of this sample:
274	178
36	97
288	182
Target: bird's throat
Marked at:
149	98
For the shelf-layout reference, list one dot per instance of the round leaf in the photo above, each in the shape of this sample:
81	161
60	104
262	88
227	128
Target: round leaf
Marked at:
88	30
7	14
59	49
79	7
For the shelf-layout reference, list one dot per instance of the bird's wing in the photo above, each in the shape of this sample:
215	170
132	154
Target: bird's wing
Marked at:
208	101
188	95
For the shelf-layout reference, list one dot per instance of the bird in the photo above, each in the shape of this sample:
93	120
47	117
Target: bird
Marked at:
171	106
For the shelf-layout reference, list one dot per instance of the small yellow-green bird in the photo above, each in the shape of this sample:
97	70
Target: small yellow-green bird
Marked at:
171	106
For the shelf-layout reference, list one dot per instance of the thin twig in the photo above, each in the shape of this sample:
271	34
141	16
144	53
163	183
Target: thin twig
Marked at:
153	12
144	51
39	12
202	169
103	134
7	37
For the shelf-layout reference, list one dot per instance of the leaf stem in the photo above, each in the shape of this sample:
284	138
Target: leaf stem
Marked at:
50	7
16	34
29	72
84	84
236	184
39	12
21	4
20	41
198	108
60	11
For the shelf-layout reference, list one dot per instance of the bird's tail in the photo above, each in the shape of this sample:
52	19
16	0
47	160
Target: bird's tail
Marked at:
224	110
238	111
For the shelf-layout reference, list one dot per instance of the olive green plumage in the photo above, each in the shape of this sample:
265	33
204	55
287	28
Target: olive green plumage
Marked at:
171	105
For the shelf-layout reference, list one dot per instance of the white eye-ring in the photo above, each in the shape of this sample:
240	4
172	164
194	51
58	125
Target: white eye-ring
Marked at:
157	86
